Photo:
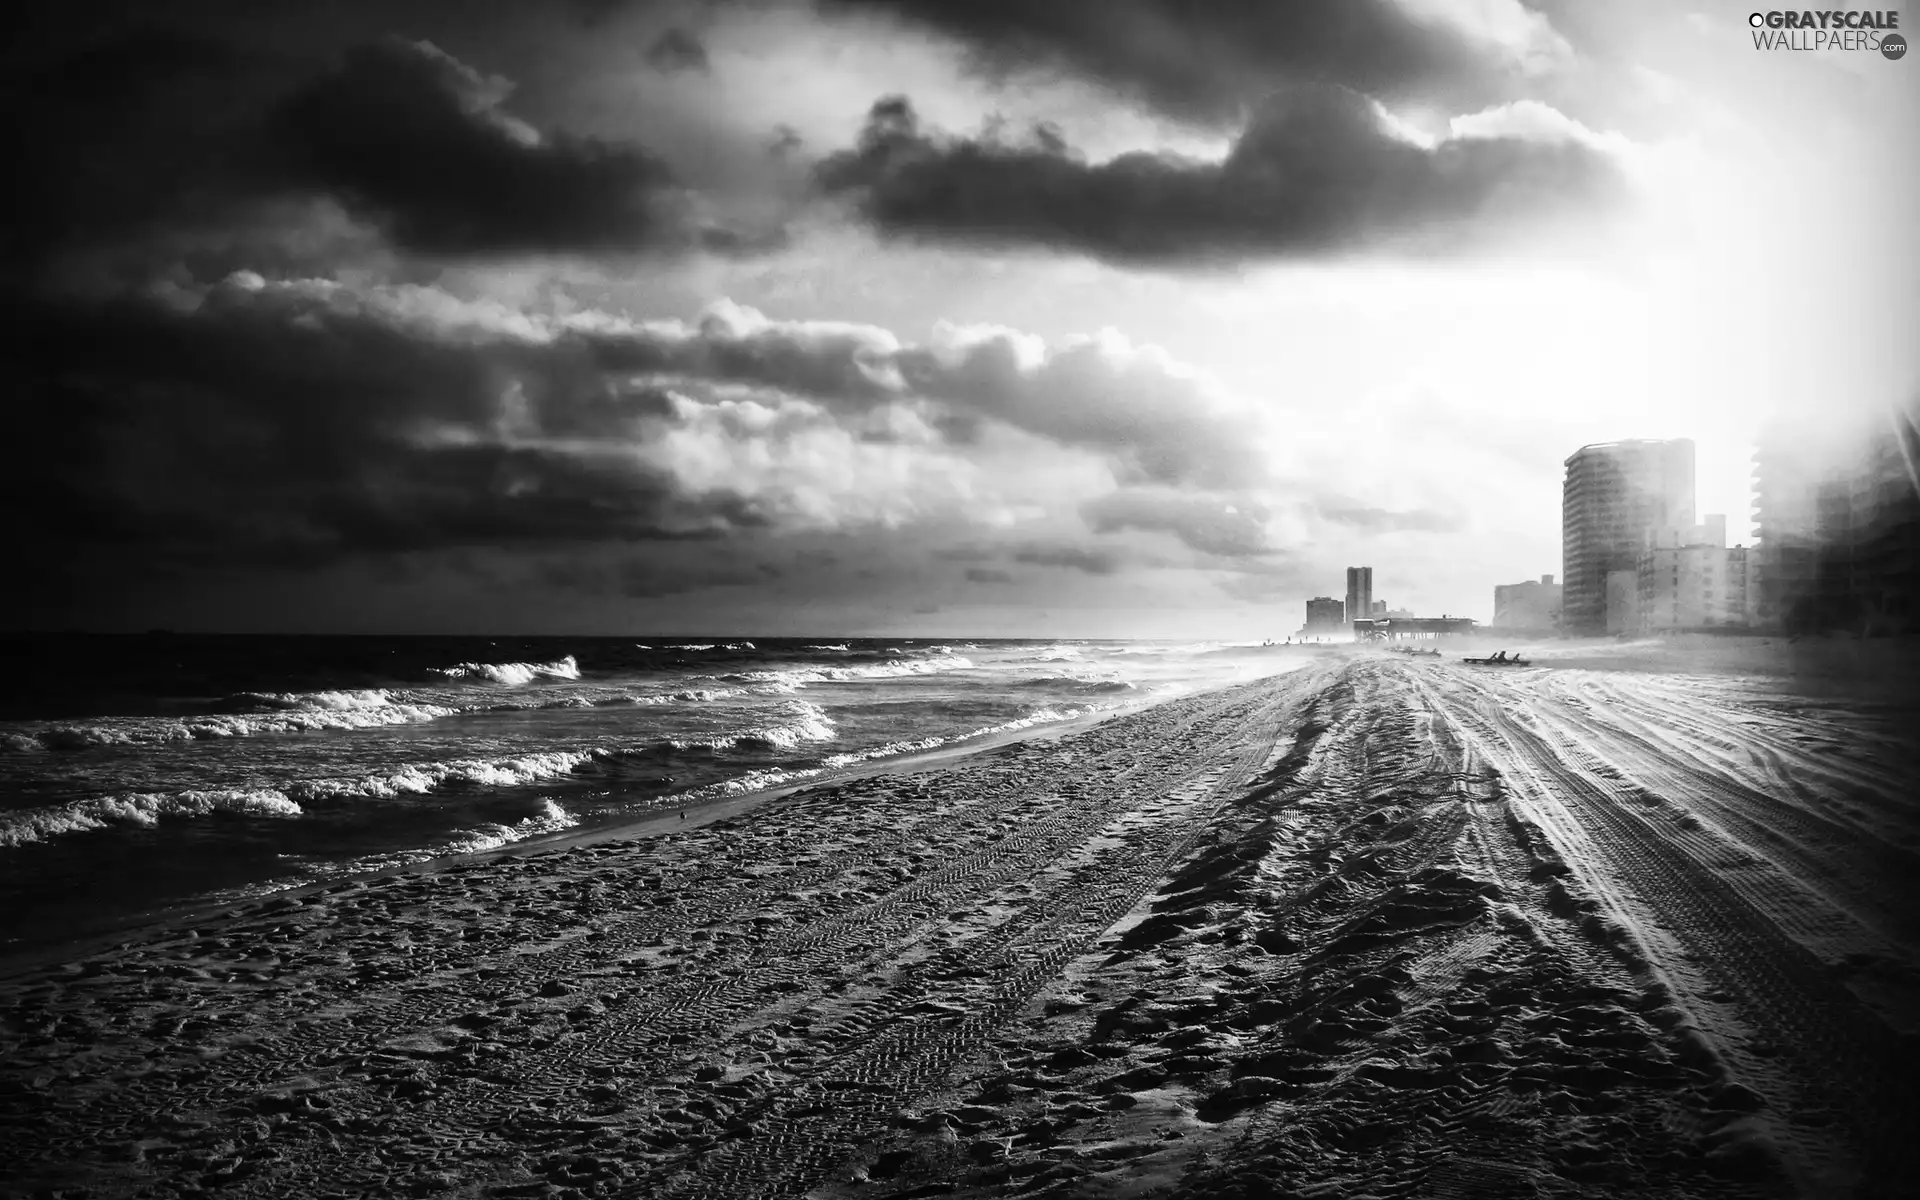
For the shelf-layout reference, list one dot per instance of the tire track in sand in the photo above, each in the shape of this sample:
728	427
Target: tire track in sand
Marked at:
872	1084
484	1104
1819	1059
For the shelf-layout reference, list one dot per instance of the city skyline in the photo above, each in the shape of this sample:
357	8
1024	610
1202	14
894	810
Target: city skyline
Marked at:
827	317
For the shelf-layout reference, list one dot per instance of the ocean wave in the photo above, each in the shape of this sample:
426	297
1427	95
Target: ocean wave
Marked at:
512	673
138	808
1074	683
550	819
1052	654
698	695
841	648
740	785
312	701
264	713
283	713
418	779
1165	651
887	751
810	724
710	695
541	701
852	674
1043	716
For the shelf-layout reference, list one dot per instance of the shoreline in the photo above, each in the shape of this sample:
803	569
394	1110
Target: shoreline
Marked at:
642	825
1371	926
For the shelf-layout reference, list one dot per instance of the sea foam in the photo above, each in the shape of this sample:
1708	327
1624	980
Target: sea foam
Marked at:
810	724
1041	716
511	673
138	808
797	676
551	818
271	713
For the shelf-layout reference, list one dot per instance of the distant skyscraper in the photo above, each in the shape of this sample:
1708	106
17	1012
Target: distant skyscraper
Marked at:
1615	494
1359	593
1325	615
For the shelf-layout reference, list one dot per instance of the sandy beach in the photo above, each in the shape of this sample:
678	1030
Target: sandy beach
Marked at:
1378	927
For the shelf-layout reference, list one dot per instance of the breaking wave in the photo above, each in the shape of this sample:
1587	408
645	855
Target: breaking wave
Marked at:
138	808
810	725
1061	653
512	674
262	713
1042	716
550	819
751	781
418	779
800	676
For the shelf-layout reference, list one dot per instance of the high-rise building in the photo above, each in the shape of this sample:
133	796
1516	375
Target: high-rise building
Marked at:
1615	494
1359	593
1325	616
1533	606
1838	512
1690	579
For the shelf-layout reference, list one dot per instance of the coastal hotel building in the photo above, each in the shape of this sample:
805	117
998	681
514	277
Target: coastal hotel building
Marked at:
1837	510
1616	498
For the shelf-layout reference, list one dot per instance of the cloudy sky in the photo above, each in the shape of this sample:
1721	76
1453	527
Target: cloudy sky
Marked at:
1127	317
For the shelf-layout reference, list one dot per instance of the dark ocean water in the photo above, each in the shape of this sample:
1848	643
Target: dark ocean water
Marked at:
144	773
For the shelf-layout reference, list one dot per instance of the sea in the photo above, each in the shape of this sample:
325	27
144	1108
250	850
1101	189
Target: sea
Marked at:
145	775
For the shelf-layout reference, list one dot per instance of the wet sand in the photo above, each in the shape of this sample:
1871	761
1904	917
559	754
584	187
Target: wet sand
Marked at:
1379	927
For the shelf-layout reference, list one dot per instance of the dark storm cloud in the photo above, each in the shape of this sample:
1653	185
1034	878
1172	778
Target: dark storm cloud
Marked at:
300	423
121	134
677	50
651	576
595	13
293	426
162	145
423	143
988	575
1207	524
1317	171
1206	61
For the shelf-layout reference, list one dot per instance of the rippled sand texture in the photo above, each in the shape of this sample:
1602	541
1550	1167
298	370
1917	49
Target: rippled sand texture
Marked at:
1377	928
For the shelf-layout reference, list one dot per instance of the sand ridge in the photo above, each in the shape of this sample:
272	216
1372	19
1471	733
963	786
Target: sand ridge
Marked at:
1376	927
